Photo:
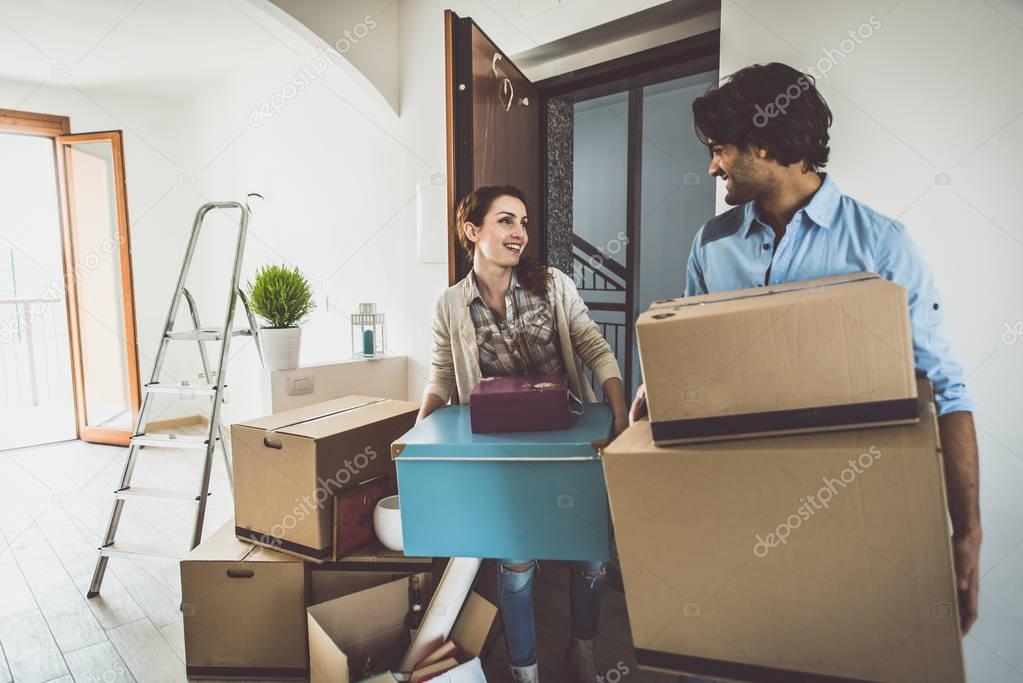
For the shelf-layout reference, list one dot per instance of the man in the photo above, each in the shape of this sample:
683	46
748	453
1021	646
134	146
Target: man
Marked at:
766	129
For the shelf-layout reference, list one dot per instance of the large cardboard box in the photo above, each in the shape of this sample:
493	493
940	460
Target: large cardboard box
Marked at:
243	605
537	495
369	626
790	558
288	466
832	353
243	609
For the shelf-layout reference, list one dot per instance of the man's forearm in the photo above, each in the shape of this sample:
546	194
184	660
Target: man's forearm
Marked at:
959	445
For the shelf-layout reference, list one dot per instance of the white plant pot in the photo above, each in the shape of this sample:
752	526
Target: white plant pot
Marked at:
280	347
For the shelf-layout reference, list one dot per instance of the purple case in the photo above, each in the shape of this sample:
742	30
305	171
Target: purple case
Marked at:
526	403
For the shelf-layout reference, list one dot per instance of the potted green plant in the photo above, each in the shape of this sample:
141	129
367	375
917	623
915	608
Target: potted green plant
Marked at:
281	296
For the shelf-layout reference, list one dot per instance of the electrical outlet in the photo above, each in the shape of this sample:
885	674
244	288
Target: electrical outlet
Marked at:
298	386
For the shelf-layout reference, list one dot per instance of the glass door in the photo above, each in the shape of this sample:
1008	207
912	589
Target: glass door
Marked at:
97	266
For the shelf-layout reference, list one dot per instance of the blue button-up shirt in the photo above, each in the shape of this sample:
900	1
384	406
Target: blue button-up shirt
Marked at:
832	235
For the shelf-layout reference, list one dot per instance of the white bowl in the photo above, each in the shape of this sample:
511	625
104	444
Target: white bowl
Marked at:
387	523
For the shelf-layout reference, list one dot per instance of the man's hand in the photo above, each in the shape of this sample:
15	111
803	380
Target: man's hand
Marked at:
638	410
959	450
966	554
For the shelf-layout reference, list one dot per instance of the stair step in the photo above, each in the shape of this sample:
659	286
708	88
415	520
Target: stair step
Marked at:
162	495
140	550
181	388
171	441
207	334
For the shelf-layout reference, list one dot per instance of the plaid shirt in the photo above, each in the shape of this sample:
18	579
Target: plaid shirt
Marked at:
525	342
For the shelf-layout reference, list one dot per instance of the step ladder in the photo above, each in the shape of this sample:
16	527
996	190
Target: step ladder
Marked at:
213	387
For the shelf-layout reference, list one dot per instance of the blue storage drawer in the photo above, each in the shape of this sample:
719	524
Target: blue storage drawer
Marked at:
521	495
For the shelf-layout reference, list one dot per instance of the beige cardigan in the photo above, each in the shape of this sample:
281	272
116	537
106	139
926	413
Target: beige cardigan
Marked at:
456	363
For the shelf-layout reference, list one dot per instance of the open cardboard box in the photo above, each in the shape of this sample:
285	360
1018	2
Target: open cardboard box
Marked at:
288	467
831	353
347	632
244	606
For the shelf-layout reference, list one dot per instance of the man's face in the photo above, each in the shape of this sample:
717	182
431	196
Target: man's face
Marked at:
742	170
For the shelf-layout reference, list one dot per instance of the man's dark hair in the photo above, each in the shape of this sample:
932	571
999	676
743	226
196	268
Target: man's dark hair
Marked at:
768	106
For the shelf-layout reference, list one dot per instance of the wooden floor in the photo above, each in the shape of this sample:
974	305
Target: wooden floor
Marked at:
54	502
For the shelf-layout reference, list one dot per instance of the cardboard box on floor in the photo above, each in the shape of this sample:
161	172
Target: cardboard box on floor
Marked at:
777	559
832	353
243	605
370	625
288	466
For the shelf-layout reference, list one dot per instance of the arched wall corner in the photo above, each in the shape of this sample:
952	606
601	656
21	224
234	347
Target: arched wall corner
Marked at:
362	37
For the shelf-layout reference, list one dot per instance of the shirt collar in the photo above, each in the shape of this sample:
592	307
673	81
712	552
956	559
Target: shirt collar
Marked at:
820	209
474	291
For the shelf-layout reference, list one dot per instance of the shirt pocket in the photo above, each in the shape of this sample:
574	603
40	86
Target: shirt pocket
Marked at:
538	326
487	349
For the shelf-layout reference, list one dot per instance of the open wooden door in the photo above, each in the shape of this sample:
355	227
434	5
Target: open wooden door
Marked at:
98	276
493	130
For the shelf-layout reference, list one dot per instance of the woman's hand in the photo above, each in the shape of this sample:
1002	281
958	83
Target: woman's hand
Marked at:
614	392
431	402
621	423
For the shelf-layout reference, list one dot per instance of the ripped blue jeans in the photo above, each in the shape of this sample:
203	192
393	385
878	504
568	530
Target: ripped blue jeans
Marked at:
515	594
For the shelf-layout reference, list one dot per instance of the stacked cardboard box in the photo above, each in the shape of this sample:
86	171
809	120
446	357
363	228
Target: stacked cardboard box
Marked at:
247	588
808	356
819	555
244	606
289	467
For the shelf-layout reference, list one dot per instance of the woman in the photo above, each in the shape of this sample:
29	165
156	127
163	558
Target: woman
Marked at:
514	316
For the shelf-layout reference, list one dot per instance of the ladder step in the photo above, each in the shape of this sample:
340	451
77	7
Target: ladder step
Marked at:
171	441
207	334
140	550
180	389
163	495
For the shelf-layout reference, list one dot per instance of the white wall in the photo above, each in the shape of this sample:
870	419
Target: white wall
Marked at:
928	129
159	208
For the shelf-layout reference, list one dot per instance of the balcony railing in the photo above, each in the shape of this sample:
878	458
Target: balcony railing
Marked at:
34	366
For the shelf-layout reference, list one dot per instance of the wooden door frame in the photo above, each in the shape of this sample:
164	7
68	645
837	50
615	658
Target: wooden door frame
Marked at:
53	127
107	435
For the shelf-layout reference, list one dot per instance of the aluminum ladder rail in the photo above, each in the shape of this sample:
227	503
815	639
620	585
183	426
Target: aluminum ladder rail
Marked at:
214	385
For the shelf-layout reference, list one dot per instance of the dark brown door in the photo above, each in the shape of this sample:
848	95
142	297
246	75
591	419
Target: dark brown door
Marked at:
493	130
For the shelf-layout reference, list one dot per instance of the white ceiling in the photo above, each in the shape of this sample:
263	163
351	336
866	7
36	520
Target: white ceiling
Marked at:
163	45
171	47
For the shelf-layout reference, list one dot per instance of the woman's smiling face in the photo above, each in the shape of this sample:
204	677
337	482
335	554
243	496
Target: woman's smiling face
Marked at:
503	236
